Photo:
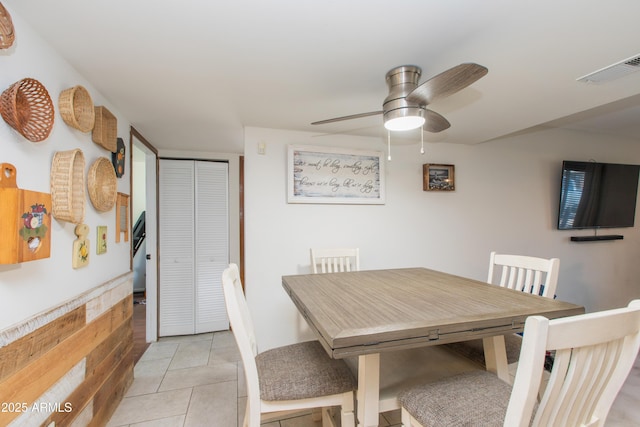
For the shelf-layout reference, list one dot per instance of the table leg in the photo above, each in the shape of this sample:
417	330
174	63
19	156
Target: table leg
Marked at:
368	389
495	357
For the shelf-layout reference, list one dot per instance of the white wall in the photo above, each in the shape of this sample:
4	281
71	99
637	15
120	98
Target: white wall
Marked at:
506	199
31	287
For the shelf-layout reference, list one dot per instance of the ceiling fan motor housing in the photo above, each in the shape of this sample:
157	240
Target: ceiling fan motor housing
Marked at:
401	81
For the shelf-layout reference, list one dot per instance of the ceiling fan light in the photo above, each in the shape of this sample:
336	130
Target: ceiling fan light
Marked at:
404	123
404	119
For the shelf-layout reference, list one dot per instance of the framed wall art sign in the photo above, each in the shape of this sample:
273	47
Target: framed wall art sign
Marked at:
334	175
438	177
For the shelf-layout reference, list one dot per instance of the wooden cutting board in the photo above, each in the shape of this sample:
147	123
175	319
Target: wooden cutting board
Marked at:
25	220
81	247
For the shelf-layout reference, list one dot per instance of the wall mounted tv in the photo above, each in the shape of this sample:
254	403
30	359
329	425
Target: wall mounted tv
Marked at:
597	195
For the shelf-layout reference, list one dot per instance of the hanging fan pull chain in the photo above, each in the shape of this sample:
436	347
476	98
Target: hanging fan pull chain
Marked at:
389	145
421	141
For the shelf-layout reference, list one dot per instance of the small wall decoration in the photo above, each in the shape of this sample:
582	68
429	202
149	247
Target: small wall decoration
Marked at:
122	217
105	128
438	177
101	240
76	108
335	175
27	107
117	158
81	246
67	186
7	32
25	220
102	185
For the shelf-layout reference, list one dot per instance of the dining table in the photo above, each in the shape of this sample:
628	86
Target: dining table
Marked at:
365	313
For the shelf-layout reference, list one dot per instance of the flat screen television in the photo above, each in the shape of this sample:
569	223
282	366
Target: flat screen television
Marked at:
597	195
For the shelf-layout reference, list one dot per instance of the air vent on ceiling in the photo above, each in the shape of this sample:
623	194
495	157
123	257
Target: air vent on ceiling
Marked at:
614	71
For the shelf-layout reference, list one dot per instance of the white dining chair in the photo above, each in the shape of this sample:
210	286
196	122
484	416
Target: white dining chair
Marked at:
530	274
594	354
289	378
334	260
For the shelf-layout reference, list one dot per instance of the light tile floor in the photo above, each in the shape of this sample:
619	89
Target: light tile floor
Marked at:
195	381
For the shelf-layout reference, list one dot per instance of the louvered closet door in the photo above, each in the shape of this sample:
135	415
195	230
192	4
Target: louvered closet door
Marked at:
176	222
212	245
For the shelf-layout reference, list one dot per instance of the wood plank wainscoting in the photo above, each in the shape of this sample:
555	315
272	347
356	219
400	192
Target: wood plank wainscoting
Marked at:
71	365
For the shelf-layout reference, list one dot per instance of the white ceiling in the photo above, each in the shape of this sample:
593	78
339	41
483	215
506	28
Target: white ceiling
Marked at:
191	74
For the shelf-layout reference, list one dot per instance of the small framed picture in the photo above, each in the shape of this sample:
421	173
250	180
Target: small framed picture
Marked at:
438	177
101	246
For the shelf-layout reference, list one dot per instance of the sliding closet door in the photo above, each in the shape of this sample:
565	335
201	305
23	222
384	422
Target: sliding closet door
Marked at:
212	245
176	222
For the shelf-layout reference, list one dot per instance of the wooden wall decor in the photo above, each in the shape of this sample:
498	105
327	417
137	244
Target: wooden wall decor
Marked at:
122	217
25	220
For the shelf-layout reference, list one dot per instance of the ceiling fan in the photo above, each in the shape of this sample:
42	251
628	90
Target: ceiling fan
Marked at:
405	107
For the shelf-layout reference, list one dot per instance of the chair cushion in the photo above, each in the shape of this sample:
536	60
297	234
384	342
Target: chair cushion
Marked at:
478	398
475	351
301	371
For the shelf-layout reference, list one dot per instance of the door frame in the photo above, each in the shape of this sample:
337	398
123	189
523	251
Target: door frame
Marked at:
151	184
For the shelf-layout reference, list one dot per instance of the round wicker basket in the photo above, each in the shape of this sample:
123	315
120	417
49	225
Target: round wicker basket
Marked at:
102	184
7	33
67	186
76	108
26	106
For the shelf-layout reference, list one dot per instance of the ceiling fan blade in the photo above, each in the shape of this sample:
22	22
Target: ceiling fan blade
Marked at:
434	122
353	116
447	83
345	132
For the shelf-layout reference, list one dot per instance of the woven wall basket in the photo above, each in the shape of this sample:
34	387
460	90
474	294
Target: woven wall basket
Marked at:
27	107
105	130
67	186
76	108
102	184
7	33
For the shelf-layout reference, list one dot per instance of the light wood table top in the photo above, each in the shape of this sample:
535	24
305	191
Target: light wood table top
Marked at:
368	312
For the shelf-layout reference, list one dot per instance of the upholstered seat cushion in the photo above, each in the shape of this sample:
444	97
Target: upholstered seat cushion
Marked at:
478	398
301	371
474	349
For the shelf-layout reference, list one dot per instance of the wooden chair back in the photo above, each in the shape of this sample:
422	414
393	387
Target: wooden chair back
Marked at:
594	354
335	260
537	276
243	331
